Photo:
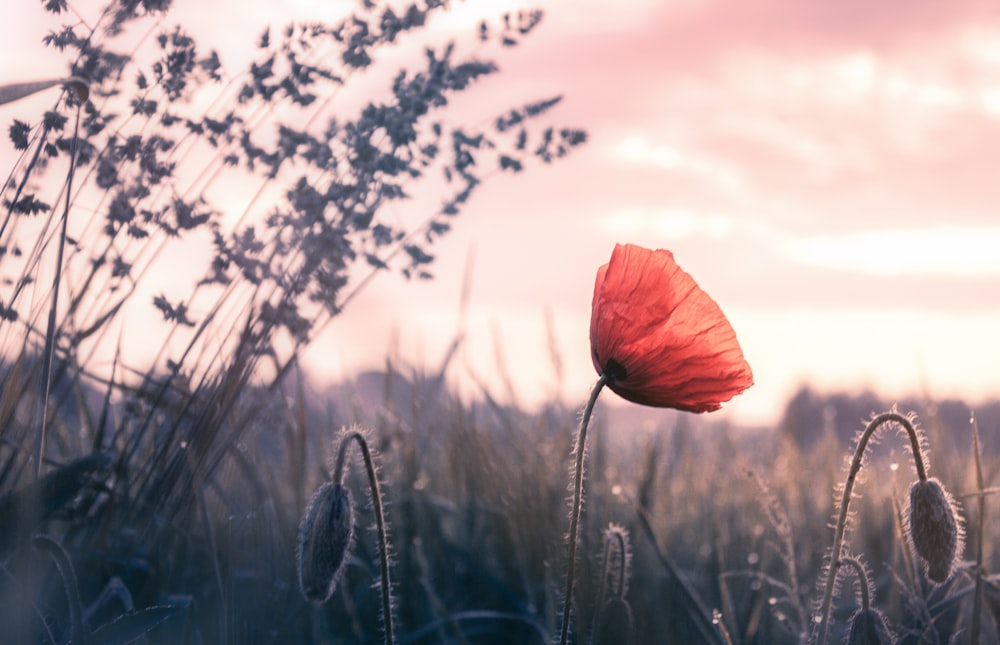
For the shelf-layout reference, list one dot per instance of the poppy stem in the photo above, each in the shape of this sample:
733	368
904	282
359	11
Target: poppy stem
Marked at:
838	536
339	474
577	508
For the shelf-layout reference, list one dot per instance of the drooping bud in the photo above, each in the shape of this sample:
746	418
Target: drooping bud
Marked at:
934	528
614	622
868	627
325	535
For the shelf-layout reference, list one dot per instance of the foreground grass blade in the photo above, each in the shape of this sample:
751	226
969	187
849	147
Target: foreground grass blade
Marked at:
129	627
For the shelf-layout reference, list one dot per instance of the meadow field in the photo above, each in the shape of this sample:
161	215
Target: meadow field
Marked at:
206	491
725	527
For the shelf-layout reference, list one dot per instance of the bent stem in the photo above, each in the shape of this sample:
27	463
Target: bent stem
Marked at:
383	541
577	508
838	536
859	570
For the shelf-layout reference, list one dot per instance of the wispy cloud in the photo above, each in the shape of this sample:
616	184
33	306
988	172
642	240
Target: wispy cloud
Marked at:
943	251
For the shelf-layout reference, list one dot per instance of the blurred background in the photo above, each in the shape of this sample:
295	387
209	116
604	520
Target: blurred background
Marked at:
824	170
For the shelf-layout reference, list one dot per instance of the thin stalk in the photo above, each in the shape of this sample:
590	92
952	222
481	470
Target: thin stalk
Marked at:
845	502
577	508
383	540
977	604
717	619
50	332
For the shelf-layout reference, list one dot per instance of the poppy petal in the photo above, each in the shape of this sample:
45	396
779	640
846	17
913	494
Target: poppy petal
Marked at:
659	339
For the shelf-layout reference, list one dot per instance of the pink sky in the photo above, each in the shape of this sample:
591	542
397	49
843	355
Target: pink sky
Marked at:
825	170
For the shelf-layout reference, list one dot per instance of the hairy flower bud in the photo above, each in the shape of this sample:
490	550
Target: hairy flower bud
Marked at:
934	528
868	627
614	622
324	541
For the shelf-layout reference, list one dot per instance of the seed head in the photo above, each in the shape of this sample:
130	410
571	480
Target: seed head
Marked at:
80	88
325	535
934	528
868	627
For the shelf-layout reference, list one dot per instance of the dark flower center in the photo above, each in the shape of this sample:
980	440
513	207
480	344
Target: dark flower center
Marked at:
614	371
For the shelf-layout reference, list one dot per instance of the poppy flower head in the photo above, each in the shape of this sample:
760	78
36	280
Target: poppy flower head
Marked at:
658	339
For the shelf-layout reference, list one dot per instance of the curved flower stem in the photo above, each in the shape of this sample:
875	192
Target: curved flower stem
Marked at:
859	569
577	508
838	536
383	540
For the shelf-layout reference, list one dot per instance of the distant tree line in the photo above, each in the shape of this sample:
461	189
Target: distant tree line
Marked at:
809	415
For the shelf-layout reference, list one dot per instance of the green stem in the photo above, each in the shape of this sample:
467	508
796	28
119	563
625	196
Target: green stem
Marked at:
838	536
383	540
577	508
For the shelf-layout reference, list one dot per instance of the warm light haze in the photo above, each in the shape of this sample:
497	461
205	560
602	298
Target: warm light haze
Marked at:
826	170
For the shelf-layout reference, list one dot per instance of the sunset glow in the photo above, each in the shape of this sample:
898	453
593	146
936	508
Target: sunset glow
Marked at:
827	170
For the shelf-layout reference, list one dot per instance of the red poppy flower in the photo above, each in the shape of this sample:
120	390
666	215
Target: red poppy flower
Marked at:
658	339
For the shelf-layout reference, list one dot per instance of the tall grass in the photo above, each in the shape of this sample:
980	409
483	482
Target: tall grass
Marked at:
719	519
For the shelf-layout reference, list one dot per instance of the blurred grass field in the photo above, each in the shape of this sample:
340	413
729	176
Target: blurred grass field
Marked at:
720	518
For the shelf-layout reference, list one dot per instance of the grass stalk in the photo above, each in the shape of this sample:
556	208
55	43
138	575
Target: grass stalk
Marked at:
977	603
50	331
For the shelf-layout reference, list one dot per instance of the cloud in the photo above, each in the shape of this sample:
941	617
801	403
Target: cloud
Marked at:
671	224
945	251
842	111
718	174
746	263
815	26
